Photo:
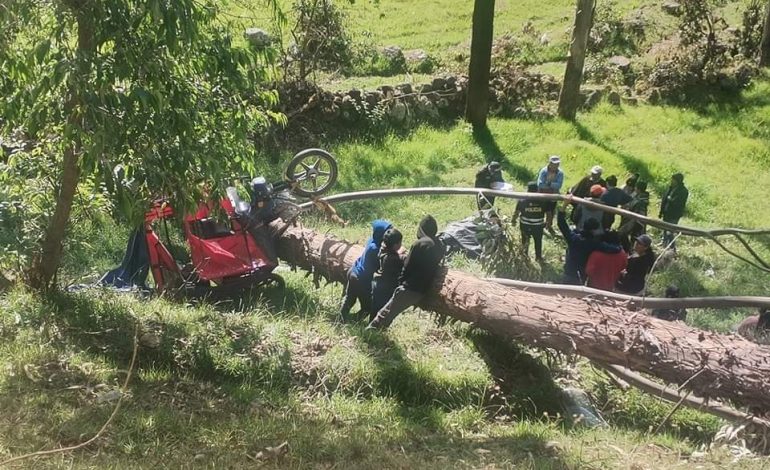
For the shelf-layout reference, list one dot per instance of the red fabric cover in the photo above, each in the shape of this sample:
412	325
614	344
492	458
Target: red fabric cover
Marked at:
159	257
604	269
230	255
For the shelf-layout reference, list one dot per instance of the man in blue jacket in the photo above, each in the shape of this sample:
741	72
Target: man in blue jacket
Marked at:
359	286
550	180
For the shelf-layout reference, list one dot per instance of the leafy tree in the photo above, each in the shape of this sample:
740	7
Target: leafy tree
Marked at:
154	89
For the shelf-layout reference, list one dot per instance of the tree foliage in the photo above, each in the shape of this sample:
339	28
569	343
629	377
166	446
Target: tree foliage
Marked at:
150	97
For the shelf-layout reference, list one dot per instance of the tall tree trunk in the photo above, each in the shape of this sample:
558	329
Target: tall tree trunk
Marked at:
764	46
42	272
710	364
477	101
569	98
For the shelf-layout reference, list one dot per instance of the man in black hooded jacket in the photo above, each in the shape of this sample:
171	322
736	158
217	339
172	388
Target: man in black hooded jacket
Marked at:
420	269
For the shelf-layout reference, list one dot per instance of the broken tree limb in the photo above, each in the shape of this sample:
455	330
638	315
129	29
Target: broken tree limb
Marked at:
731	368
758	262
634	302
674	396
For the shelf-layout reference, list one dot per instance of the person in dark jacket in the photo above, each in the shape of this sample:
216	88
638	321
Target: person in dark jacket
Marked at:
672	206
385	280
671	314
531	216
630	186
581	214
420	269
631	228
490	173
359	286
583	188
613	197
639	266
580	245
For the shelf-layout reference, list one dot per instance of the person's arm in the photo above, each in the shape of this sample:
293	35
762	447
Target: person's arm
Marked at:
605	247
541	177
561	221
518	211
625	198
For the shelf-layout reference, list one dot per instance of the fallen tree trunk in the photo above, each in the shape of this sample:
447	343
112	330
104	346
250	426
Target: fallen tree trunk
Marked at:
709	364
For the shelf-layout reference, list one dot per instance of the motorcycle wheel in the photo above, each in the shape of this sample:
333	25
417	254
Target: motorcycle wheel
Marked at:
311	172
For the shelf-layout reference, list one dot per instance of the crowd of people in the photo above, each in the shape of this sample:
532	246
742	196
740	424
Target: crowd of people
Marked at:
386	280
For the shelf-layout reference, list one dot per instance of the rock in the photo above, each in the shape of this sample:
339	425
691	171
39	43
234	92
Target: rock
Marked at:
672	8
373	97
416	55
592	99
621	62
438	84
387	91
405	88
257	37
355	94
392	52
451	81
426	108
654	97
418	60
398	111
614	98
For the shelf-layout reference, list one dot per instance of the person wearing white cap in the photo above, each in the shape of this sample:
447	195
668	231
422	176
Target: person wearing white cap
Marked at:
583	188
550	180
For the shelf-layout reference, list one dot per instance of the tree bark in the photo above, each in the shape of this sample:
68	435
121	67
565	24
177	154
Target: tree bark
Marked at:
764	46
709	364
42	272
569	98
477	102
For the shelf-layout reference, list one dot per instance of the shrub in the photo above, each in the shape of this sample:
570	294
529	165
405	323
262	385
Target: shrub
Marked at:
321	39
613	35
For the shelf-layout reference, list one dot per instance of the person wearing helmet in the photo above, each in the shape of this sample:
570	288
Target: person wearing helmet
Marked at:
489	174
550	180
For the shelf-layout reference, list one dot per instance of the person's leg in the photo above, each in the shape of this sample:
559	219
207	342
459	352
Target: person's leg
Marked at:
524	239
537	235
401	300
365	301
349	297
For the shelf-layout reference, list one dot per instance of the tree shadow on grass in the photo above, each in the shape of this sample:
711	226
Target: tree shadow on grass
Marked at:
486	141
188	404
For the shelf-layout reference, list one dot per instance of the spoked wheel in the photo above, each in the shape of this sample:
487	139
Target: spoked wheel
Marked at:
311	172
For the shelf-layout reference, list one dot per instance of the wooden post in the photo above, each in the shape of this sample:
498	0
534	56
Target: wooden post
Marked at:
569	98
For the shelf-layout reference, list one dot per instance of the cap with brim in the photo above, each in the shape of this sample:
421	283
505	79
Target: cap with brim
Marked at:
644	240
597	170
494	166
555	159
